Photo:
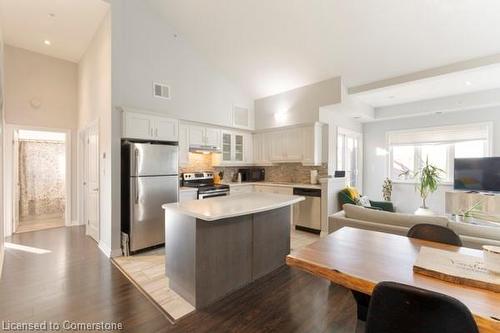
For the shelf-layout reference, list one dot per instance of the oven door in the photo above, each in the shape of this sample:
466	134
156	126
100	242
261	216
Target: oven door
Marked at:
213	194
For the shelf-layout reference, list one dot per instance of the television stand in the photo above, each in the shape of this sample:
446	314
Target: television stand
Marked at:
456	201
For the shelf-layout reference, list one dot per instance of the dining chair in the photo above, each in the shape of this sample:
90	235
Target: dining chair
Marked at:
434	233
396	308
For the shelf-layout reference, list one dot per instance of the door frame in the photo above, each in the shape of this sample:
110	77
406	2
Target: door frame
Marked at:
83	173
10	166
359	137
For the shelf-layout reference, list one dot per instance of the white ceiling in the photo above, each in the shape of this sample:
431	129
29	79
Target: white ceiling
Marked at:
462	82
272	46
27	24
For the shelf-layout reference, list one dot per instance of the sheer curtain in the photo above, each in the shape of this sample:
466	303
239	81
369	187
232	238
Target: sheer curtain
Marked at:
41	179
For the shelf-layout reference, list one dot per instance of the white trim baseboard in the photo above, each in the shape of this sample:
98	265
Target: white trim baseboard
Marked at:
108	252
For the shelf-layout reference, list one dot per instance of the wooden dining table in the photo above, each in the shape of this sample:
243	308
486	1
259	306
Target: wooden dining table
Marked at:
359	259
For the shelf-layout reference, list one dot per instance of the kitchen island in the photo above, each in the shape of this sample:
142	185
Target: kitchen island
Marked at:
218	245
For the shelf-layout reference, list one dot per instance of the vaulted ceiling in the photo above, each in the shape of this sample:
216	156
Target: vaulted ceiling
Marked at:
269	46
68	25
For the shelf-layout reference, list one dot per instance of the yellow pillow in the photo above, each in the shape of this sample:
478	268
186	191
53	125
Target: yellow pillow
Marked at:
353	192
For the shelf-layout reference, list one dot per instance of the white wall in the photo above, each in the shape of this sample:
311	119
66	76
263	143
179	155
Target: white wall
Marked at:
297	106
146	50
33	77
2	124
94	105
376	159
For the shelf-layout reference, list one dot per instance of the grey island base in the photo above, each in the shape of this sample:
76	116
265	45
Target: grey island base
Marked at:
216	246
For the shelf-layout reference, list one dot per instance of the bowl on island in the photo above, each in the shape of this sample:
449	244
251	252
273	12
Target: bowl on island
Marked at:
492	258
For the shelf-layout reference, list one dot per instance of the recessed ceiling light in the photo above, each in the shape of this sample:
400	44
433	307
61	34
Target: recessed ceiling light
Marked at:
468	83
47	42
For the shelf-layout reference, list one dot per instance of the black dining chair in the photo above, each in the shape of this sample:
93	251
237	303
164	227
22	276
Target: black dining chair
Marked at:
434	233
396	308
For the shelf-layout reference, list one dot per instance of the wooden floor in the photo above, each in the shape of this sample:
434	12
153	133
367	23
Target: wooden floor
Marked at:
75	281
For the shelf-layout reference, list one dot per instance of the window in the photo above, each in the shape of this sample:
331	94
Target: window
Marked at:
348	155
440	145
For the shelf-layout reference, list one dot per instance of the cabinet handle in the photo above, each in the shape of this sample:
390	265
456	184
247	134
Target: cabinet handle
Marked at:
156	131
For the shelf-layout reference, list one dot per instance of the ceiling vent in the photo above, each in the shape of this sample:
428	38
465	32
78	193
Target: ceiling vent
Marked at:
240	116
161	90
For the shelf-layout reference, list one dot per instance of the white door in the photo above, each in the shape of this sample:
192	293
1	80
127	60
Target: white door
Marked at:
92	182
349	156
166	129
212	137
15	178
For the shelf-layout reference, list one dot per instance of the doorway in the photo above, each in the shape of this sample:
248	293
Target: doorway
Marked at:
350	156
40	180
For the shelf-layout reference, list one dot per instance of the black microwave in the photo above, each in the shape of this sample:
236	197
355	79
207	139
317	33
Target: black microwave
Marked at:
252	174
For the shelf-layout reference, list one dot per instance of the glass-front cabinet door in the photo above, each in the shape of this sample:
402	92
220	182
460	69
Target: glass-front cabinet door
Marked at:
226	146
238	147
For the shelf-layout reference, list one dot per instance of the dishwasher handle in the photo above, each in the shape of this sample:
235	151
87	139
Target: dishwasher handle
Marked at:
307	192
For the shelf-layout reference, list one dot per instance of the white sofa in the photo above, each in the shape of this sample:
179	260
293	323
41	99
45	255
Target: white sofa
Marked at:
473	236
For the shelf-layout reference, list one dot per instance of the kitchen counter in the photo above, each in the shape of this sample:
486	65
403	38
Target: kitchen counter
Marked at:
234	205
188	189
218	245
279	184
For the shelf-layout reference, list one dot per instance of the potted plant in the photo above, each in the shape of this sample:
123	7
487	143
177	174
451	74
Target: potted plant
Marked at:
387	189
428	178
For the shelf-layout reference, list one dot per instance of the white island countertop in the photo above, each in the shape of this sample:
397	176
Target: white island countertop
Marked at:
234	205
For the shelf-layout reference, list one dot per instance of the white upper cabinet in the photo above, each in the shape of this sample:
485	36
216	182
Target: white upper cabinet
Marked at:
312	141
237	149
212	136
166	129
149	127
183	145
204	136
196	135
290	145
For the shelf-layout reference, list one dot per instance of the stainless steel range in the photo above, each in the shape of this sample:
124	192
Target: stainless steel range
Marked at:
204	182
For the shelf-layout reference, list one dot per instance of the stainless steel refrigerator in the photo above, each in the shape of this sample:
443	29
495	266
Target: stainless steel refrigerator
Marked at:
149	180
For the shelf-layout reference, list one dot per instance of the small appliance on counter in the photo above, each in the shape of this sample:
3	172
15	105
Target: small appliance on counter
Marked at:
252	174
204	182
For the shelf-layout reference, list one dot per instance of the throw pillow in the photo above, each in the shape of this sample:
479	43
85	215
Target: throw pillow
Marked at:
363	201
353	193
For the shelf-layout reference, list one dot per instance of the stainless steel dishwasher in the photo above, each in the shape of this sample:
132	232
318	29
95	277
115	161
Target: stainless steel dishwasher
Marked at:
307	213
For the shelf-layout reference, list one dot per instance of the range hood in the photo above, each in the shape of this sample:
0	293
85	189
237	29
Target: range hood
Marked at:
203	149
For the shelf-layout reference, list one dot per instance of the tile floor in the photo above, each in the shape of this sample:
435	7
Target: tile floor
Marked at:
148	271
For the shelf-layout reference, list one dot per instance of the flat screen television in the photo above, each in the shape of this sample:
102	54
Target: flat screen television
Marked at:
477	174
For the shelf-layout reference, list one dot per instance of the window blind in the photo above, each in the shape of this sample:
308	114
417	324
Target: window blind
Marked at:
442	134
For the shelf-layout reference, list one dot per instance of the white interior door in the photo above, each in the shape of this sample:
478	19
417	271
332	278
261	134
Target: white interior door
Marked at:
350	156
92	182
15	179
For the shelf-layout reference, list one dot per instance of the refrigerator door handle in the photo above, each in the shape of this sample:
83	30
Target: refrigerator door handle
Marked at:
136	159
136	190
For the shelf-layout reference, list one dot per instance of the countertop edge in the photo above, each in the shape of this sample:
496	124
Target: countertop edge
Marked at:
221	217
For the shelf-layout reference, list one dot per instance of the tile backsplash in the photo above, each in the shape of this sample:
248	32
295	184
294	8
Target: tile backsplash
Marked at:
286	172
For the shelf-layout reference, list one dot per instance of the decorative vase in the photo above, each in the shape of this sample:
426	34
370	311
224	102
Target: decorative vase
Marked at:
459	218
424	212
